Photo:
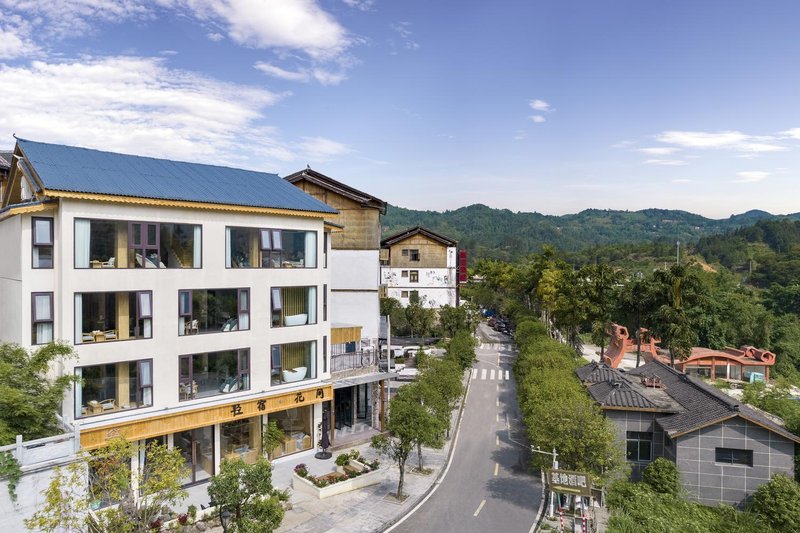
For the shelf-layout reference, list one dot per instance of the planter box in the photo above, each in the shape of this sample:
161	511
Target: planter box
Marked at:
304	486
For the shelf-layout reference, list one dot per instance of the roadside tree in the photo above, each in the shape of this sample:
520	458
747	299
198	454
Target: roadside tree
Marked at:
245	490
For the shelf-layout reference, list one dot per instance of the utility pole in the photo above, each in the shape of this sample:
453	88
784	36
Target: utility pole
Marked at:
678	253
555	466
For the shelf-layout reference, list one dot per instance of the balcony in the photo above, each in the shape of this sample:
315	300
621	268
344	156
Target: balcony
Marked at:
293	306
292	362
109	388
270	248
113	316
350	361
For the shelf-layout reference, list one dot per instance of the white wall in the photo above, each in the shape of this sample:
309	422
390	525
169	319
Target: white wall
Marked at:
356	308
11	280
166	345
353	298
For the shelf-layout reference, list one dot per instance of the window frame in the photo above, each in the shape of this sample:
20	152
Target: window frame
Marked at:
140	387
39	245
188	316
414	255
144	245
142	316
35	321
404	273
638	437
243	372
731	459
413	276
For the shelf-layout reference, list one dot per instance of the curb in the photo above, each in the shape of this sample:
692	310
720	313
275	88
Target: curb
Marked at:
389	526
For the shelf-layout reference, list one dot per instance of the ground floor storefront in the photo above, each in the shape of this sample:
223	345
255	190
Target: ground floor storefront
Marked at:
359	408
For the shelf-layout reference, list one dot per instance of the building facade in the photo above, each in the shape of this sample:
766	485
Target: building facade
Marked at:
422	263
724	450
360	388
194	296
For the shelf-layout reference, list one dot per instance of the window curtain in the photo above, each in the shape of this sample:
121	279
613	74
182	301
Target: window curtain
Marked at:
198	248
79	393
146	379
83	233
312	370
244	320
312	305
311	249
44	330
227	247
147	327
78	318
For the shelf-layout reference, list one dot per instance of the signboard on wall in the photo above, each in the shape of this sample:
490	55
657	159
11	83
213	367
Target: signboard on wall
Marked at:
462	266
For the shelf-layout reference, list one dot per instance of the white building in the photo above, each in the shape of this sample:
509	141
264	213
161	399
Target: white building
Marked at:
419	261
195	296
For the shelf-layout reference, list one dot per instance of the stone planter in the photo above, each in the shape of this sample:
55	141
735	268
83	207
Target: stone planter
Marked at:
304	486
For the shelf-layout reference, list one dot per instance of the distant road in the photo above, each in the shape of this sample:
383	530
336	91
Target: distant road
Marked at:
488	487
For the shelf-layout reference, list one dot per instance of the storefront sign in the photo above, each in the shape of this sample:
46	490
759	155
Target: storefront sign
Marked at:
185	420
567	482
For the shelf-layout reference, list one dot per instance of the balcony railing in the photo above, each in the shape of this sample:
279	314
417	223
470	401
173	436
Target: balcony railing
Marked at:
353	361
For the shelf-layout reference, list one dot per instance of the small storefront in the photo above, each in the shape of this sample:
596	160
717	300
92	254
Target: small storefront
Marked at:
207	436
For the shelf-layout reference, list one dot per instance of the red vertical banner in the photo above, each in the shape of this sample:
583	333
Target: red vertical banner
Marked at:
462	266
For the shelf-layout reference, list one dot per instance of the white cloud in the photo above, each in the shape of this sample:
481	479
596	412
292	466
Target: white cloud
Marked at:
277	72
537	119
728	140
665	162
521	135
403	30
138	105
539	105
321	148
681	180
363	5
661	150
750	176
623	144
793	133
215	36
15	38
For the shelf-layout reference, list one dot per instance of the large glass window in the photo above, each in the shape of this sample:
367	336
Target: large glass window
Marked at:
270	248
123	244
41	317
241	439
296	424
42	249
211	374
639	446
213	310
296	361
754	372
732	456
113	316
293	306
113	387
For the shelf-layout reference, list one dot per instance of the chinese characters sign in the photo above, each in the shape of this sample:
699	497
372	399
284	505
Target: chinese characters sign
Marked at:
567	482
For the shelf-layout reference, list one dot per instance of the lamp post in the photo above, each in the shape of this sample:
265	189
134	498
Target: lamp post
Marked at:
224	518
555	466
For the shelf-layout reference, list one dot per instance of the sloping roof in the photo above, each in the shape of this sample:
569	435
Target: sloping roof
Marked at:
326	182
619	394
703	404
405	234
596	373
5	159
82	170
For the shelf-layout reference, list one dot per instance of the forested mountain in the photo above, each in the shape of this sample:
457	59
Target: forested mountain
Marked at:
503	234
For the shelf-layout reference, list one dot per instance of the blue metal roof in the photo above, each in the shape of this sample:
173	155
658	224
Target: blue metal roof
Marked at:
72	169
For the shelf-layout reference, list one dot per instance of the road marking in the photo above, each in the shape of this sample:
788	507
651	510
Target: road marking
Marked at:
498	417
497	440
483	373
506	374
483	502
498	402
496	468
491	374
474	373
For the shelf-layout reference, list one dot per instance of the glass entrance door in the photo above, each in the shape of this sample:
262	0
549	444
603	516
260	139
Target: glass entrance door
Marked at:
343	407
361	402
197	448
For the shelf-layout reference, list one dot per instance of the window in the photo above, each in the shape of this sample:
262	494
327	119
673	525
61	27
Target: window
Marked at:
413	255
325	302
292	362
414	295
414	277
753	372
241	439
732	456
325	237
124	244
113	316
114	387
324	354
298	426
213	310
293	306
270	248
42	250
42	317
405	252
640	446
404	273
403	294
212	374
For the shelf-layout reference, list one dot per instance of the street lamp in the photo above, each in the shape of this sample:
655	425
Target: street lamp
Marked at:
224	518
555	466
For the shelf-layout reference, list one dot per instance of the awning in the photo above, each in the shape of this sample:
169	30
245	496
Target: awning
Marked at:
360	380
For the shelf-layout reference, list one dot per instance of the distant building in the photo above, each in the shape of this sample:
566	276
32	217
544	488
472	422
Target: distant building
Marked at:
422	262
724	450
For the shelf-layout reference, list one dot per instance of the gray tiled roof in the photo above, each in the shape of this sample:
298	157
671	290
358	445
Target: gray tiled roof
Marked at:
71	169
619	394
596	373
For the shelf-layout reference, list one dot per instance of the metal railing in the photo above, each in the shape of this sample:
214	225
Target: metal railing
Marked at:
353	360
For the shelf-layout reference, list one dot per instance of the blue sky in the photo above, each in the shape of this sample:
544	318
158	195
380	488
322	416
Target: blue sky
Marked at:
552	106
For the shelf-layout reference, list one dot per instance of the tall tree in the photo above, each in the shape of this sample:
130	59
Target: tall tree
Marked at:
599	282
245	490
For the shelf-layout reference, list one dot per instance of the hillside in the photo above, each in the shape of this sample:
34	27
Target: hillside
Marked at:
503	234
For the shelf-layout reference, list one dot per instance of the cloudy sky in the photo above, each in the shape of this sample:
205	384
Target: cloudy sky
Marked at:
549	106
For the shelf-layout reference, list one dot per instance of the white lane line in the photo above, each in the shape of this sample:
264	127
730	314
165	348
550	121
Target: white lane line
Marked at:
491	374
496	468
506	375
497	403
483	373
498	417
474	373
483	502
497	440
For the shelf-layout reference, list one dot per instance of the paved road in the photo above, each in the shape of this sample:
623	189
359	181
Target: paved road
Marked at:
487	487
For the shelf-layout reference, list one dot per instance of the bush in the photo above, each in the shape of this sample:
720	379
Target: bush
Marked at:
343	459
778	502
662	475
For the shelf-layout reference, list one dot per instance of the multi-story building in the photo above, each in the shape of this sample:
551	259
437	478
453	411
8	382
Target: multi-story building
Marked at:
194	295
420	262
359	385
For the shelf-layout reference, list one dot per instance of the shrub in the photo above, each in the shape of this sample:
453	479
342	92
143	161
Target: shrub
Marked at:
778	502
662	475
355	455
343	459
183	519
193	511
301	470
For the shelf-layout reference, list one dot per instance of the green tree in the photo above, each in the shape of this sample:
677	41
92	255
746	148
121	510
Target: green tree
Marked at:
662	475
65	503
461	348
452	319
420	318
245	490
29	400
778	502
598	283
433	419
272	437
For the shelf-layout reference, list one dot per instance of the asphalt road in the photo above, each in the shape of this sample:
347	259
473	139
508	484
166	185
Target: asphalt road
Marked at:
487	487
